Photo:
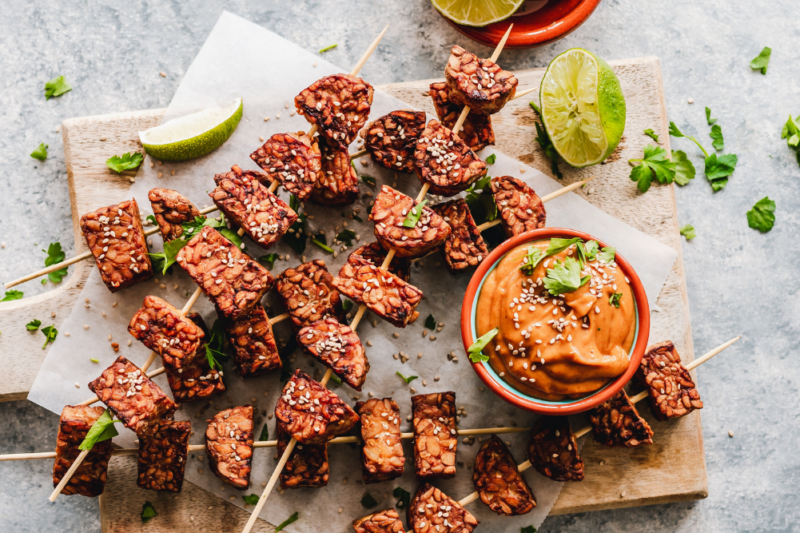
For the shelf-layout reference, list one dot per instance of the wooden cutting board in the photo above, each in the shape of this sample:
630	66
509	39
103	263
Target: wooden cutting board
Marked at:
673	469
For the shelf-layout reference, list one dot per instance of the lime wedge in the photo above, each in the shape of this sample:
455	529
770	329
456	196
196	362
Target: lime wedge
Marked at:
477	12
583	109
193	135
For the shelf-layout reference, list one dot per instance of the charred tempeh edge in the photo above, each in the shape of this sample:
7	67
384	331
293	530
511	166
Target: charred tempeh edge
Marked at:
160	327
375	255
670	387
254	348
162	457
433	511
230	278
520	207
616	422
133	398
337	347
553	449
293	160
478	83
381	449
311	413
195	380
171	210
435	435
338	179
477	129
386	521
445	162
229	445
392	139
90	477
116	239
464	246
307	465
499	482
308	294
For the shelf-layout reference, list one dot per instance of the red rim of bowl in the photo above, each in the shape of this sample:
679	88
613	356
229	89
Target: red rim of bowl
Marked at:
529	31
583	404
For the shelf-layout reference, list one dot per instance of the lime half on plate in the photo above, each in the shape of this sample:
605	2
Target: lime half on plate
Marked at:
193	135
583	108
477	12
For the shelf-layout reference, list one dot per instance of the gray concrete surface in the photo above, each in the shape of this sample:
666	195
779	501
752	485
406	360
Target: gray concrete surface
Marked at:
740	281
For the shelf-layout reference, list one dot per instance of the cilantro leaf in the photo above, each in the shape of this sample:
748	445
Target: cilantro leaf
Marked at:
346	236
288	521
56	87
530	260
559	245
368	501
215	347
50	334
474	351
527	529
688	232
654	163
251	499
491	159
369	180
102	429
718	169
414	215
331	47
761	61
336	379
408	379
549	149
430	322
675	132
480	201
148	512
346	304
607	255
164	260
710	120
791	132
650	133
268	260
296	236
358	218
127	161
152	220
320	240
33	325
55	255
762	216
264	433
232	236
403	495
192	228
614	299
41	152
587	251
564	277
12	295
294	203
684	168
716	134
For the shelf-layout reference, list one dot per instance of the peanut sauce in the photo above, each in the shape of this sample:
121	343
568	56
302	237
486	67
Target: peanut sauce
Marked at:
556	347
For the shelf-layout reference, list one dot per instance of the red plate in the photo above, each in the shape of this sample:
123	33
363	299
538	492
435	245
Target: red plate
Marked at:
538	22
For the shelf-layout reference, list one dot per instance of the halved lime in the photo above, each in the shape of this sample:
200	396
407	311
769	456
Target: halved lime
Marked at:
583	109
192	135
477	12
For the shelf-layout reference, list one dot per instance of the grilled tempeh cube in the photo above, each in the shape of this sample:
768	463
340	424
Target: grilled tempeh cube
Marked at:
249	204
133	398
477	129
338	347
670	387
390	211
308	294
195	380
307	465
445	162
381	450
162	457
435	435
382	292
311	413
499	482
386	521
171	210
293	159
229	445
464	246
338	180
616	422
339	104
90	477
392	139
164	330
375	255
254	348
520	207
433	511
231	279
116	239
478	83
553	449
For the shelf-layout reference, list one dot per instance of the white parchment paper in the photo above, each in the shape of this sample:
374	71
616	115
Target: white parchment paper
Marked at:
241	59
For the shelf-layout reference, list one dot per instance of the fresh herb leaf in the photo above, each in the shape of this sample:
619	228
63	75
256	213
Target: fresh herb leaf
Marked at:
251	499
346	236
347	305
294	203
164	260
591	249
684	168
654	163
607	255
491	159
128	161
56	87
12	295
761	61
264	433
358	218
148	512
190	229
336	379
296	237
408	379
675	132
474	351
547	146
33	325
480	201
650	133
716	134
321	241
215	347
368	501
268	260
331	47
762	216
50	334
102	429
44	281
710	120
718	169
559	245
791	132
535	108
55	255
615	299
414	215
41	152
688	232
528	529
430	322
152	220
369	180
288	521
232	236
403	495
564	277
530	260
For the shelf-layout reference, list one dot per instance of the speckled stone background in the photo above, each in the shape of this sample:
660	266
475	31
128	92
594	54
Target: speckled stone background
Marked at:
740	281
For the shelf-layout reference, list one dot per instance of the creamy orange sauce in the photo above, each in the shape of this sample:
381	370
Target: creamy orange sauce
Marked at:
556	347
